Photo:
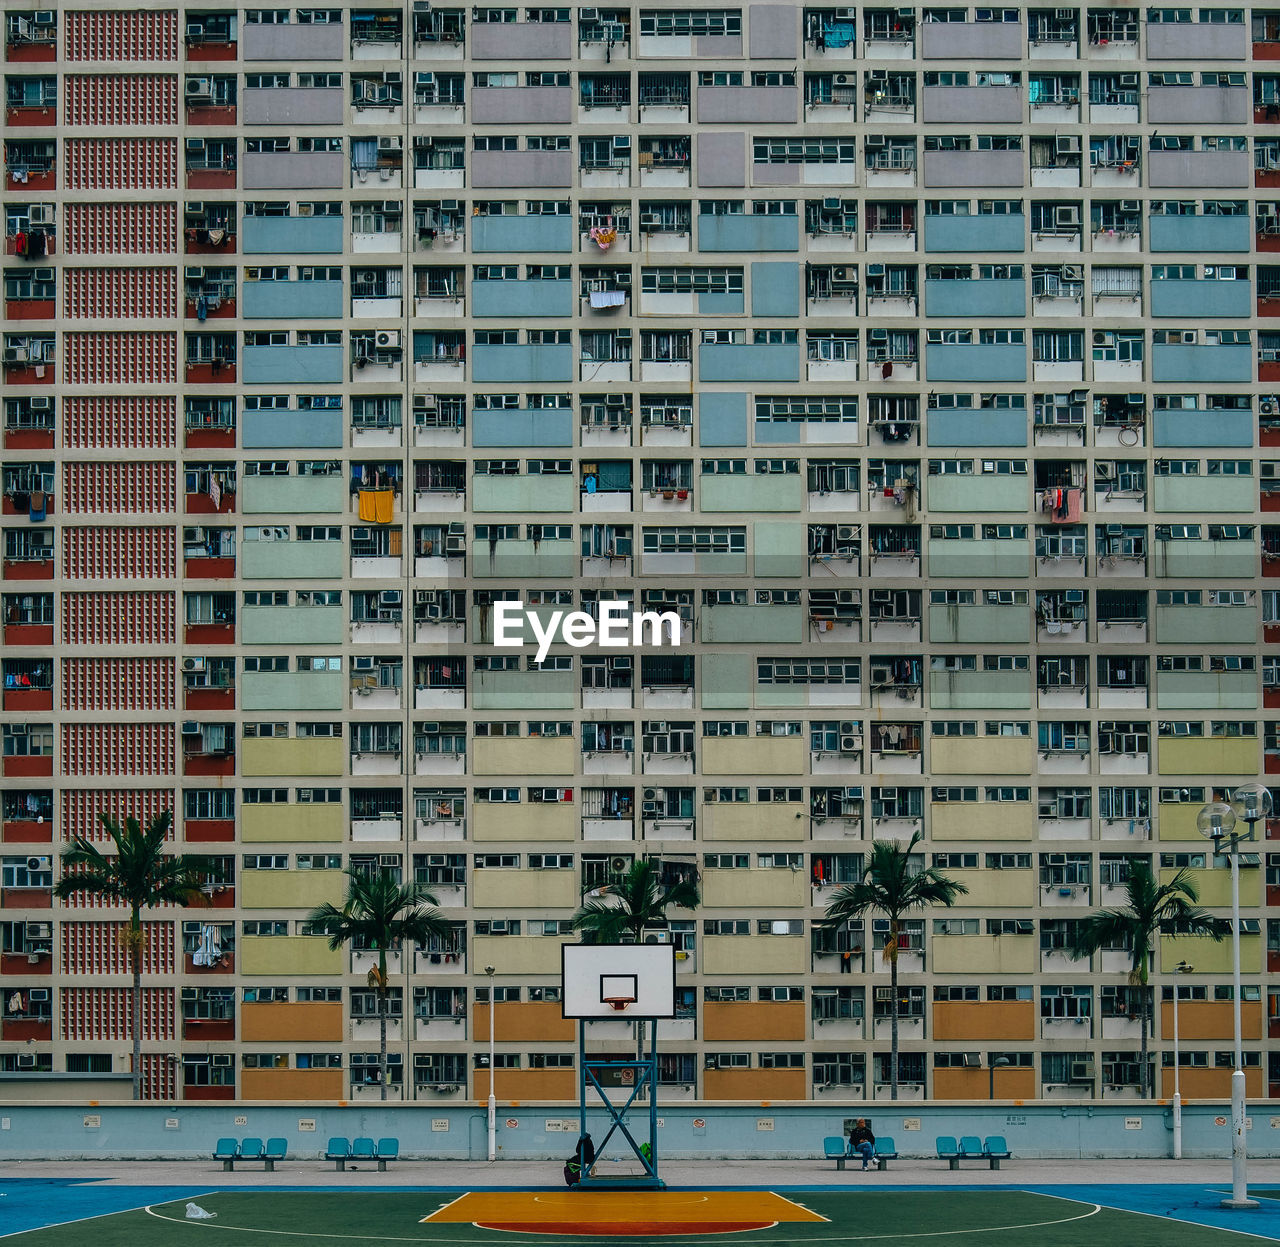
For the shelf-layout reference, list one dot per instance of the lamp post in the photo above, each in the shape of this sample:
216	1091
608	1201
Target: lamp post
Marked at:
1217	822
493	1103
1181	968
993	1064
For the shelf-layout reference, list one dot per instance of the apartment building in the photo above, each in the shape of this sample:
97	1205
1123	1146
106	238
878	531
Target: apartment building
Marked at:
918	358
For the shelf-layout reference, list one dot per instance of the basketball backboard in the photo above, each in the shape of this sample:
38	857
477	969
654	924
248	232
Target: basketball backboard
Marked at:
618	981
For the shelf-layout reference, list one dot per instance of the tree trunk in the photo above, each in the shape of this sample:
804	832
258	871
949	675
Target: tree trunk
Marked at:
893	1010
382	1025
1143	1006
135	949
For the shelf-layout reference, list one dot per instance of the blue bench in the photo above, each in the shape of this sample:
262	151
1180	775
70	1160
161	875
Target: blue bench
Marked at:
886	1150
341	1150
970	1147
833	1148
228	1151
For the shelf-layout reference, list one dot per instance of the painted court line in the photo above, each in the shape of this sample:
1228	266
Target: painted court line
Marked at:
97	1216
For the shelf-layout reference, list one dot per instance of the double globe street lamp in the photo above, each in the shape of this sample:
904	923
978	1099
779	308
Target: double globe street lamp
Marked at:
1217	821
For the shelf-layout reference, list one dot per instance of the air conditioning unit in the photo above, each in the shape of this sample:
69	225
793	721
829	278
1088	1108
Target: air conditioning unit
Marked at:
1067	144
389	142
1130	205
190	728
15	354
199	89
1065	15
388	338
362	534
1128	80
189	993
1066	214
650	222
455	545
41	214
389	597
875	140
39	863
195	30
193	664
849	744
846	532
39	931
193	274
877	270
26	1060
41	403
1081	1071
972	1060
1103	471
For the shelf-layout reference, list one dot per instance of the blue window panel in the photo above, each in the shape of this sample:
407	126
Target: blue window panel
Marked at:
291	300
275	365
981	427
775	289
714	303
262	430
720	361
748	233
1202	428
975	233
521	234
512	299
1176	362
522	427
994	297
975	362
531	362
722	419
291	235
1197	234
1201	300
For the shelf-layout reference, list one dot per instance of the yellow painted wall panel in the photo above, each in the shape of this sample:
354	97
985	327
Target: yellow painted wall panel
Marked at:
1176	820
754	954
1214	887
981	755
1211	958
289	954
271	756
723	889
291	1084
764	821
754	755
500	821
985	820
991	889
290	823
519	954
291	889
1230	755
525	889
554	756
302	1021
991	954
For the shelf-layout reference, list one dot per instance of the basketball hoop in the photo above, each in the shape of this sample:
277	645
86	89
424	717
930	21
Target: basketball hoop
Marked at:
619	1004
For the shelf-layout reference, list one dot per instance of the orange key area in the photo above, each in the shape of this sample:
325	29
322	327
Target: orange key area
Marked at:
624	1213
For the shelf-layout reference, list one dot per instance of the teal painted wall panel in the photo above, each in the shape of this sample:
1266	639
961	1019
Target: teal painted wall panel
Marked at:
978	493
750	493
1201	299
718	361
1202	428
981	426
1200	234
535	362
291	300
524	493
291	235
748	233
980	624
525	560
989	297
293	690
775	288
284	625
711	303
1204	493
522	427
727	681
521	234
266	430
525	690
742	624
1190	625
1206	690
283	365
514	300
979	557
780	548
980	690
975	233
293	560
292	495
1176	362
975	362
722	419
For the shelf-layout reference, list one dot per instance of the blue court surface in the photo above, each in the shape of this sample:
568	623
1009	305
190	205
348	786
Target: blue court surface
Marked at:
35	1204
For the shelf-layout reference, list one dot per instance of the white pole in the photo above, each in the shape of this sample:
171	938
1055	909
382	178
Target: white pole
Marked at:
1177	1088
1239	1160
493	1103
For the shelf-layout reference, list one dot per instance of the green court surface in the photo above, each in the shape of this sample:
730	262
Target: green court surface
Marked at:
889	1218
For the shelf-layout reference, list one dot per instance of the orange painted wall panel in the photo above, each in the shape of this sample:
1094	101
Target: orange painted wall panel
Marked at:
526	1085
765	1020
305	1022
984	1019
291	1084
537	1020
1210	1084
754	1084
1211	1019
974	1084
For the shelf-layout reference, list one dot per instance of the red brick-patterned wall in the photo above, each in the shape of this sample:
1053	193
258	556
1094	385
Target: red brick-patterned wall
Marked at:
81	807
120	35
119	488
120	229
106	1013
120	164
120	99
119	684
118	619
105	422
120	293
117	359
101	553
97	948
117	749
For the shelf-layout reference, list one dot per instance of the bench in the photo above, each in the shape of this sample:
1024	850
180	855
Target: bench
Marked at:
341	1150
970	1147
833	1148
886	1150
228	1151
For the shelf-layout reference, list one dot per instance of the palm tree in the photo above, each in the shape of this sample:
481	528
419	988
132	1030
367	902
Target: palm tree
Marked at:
140	875
890	886
379	913
1150	906
633	903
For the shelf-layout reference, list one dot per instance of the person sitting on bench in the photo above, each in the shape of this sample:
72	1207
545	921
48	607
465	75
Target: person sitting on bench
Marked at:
862	1142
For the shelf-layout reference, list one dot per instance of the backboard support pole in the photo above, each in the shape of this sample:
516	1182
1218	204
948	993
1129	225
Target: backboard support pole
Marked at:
645	1081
